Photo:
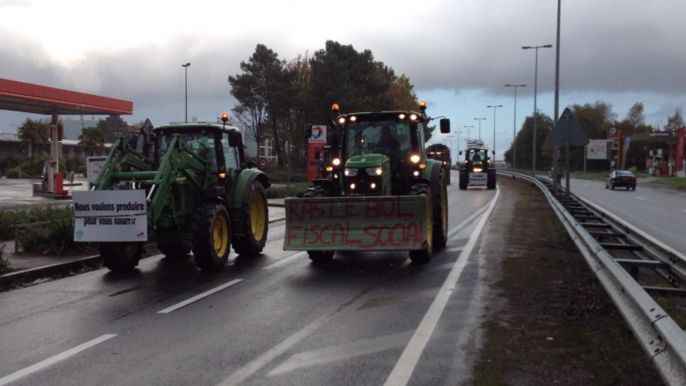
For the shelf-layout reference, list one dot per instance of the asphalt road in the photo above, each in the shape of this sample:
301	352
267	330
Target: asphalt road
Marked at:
273	320
659	212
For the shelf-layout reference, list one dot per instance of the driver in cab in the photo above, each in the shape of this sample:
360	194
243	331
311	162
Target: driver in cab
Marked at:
387	141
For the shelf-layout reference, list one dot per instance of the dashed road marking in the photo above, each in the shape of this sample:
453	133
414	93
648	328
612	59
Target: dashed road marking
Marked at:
286	260
342	352
198	297
51	361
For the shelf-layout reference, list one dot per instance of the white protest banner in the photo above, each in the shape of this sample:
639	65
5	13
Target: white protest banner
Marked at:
110	215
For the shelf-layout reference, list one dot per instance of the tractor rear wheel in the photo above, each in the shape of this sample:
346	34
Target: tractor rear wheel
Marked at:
121	256
424	255
255	222
211	237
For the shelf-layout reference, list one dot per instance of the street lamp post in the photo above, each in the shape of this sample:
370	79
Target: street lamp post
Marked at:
533	164
479	119
514	129
494	108
185	66
457	152
468	127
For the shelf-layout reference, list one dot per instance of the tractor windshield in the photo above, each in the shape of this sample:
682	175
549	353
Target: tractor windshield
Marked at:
202	145
387	137
477	155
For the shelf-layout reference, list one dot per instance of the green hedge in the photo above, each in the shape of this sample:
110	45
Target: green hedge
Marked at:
8	218
55	238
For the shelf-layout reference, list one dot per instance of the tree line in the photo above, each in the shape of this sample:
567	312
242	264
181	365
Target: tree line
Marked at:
277	97
595	119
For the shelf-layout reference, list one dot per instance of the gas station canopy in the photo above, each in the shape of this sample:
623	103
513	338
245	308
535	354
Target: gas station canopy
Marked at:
33	98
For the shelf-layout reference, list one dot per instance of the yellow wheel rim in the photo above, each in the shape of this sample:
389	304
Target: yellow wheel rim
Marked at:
220	235
257	222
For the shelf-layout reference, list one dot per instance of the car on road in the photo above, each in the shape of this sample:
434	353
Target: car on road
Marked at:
620	178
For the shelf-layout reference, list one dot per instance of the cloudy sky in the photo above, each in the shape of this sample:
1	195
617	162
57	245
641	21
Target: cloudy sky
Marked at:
459	54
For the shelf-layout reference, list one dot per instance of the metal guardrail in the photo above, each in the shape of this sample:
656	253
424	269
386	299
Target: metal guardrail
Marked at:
658	334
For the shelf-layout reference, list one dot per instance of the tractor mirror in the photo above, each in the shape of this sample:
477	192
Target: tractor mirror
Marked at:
445	126
234	139
308	131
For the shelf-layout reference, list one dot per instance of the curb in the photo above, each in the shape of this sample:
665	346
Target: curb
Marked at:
32	274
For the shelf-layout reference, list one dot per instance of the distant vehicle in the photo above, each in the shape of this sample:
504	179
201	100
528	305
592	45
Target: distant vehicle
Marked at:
477	168
620	178
441	152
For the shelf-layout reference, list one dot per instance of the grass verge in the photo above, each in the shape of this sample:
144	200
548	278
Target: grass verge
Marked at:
678	182
552	322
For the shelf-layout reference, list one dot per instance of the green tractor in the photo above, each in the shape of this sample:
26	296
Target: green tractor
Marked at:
378	190
477	168
200	195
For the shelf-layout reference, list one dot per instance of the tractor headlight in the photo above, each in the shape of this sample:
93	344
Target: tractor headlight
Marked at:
351	172
415	158
336	161
375	171
416	173
478	170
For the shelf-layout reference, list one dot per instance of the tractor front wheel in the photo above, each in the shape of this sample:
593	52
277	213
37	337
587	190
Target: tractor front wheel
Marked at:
121	256
255	222
424	255
211	237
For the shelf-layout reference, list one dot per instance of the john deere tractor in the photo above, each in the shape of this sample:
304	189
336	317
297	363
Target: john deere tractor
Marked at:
477	168
200	195
378	190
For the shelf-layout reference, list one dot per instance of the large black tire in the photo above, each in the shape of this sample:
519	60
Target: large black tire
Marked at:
490	181
424	255
463	181
439	192
318	256
121	256
211	237
175	250
255	219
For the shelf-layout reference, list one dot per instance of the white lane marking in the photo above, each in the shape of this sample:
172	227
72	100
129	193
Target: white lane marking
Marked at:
408	360
454	249
464	223
268	356
342	352
286	260
51	361
640	198
198	297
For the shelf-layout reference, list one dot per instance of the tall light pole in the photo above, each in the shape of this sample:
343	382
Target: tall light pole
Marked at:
494	108
457	151
468	127
479	119
185	66
514	129
533	163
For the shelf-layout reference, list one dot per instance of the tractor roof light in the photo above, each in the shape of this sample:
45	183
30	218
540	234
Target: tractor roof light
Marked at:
401	116
422	105
335	108
225	117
